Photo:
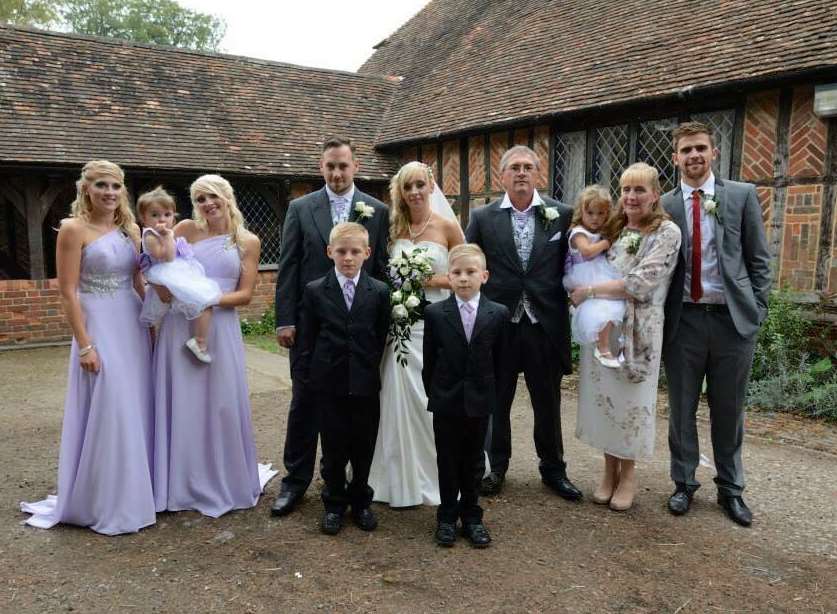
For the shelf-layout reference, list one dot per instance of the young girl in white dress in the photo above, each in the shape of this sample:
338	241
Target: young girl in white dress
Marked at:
593	320
169	262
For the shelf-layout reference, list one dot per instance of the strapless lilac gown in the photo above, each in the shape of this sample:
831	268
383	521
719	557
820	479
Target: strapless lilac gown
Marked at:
104	465
204	452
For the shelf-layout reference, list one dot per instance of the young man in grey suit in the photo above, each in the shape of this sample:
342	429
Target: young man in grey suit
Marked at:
303	259
717	301
524	237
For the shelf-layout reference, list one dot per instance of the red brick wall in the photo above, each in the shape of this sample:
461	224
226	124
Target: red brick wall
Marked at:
759	147
31	311
262	296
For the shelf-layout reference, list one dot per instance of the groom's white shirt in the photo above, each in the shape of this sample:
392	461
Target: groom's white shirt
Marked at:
710	272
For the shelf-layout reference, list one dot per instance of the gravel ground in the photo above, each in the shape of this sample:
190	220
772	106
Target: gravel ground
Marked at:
548	555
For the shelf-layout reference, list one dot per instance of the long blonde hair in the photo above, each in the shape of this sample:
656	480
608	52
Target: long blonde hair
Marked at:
592	195
217	185
82	206
400	213
648	175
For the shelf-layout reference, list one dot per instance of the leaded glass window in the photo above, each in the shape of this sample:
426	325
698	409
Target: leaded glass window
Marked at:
570	156
653	146
261	220
611	155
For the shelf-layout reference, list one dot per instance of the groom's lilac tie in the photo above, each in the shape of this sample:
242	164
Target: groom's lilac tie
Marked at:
341	205
468	317
349	292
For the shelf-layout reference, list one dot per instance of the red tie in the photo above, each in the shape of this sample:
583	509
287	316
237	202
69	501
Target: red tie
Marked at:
697	288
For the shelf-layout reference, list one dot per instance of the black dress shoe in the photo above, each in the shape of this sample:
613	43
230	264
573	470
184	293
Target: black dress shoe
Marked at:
492	484
679	502
285	502
365	519
332	523
446	534
736	509
563	487
477	534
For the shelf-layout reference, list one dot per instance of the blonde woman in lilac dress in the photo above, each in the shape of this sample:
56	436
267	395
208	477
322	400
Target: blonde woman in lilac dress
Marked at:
104	465
205	455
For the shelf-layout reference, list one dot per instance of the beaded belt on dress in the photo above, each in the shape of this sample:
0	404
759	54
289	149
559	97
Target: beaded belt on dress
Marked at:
103	284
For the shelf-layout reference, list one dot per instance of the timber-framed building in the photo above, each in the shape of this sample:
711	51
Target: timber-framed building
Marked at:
591	86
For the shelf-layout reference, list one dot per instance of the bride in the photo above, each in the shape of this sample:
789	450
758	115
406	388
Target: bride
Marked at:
404	469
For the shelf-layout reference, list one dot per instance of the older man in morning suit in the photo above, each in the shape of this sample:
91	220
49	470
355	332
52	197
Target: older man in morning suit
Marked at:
524	237
303	259
717	301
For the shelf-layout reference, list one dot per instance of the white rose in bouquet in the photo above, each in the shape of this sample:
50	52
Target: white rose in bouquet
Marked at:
412	301
399	312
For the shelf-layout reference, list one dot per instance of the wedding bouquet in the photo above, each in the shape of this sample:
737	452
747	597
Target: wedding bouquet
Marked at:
407	273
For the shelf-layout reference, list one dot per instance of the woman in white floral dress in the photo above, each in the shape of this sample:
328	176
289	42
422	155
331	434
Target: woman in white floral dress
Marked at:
617	407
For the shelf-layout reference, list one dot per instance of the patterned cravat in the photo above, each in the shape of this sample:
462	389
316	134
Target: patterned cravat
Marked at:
340	206
349	292
697	287
468	316
524	233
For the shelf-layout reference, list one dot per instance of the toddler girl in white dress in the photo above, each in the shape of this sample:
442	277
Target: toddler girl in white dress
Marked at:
586	266
169	261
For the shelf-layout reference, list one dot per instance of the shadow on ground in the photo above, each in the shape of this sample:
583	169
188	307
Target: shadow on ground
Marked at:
548	555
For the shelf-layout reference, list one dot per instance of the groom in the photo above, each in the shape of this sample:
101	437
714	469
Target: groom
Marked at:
524	237
303	259
715	306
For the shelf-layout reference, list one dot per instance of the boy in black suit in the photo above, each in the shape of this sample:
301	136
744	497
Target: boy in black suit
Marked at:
463	340
342	332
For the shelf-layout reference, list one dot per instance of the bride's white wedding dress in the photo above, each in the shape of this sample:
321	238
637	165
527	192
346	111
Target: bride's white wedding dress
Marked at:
404	471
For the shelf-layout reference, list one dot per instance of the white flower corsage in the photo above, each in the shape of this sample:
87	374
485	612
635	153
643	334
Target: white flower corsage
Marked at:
631	242
363	211
548	215
711	207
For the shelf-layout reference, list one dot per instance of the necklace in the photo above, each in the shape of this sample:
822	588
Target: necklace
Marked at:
416	235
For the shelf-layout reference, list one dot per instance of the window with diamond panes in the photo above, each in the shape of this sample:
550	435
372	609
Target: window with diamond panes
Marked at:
611	147
261	220
653	146
723	124
570	156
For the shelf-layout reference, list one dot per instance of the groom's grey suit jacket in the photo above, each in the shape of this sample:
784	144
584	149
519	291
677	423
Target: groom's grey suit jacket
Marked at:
303	257
491	228
743	257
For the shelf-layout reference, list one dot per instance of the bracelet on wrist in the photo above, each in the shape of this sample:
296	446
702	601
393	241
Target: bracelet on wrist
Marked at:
86	350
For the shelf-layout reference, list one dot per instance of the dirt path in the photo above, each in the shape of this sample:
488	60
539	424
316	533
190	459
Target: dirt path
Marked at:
548	555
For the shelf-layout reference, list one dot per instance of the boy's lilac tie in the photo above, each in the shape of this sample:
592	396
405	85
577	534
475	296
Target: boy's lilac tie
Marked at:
349	292
467	312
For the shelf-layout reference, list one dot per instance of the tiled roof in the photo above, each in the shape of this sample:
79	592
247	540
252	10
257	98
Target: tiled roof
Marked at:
65	99
471	64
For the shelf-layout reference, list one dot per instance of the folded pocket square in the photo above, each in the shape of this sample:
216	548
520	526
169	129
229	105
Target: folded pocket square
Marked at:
556	236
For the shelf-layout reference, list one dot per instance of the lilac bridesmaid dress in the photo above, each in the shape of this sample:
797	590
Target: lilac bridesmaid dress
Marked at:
104	465
205	455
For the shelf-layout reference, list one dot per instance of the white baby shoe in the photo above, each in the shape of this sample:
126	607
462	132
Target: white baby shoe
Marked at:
200	354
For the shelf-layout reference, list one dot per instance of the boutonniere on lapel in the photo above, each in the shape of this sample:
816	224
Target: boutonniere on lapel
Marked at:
362	211
548	215
631	242
710	205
